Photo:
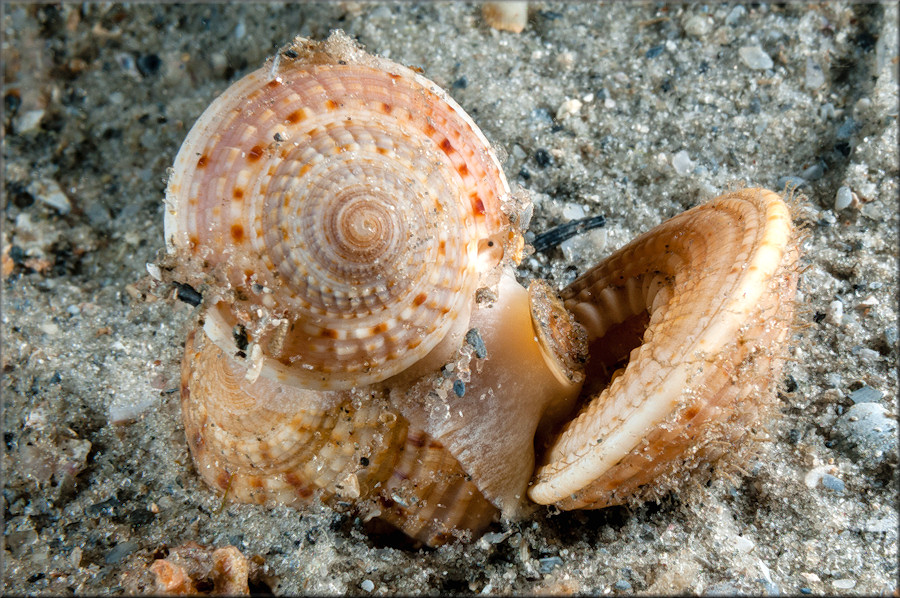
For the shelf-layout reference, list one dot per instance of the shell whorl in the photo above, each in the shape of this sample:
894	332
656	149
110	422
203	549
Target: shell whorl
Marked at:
341	209
706	301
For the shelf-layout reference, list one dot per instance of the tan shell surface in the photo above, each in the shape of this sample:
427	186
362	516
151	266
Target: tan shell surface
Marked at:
340	208
265	442
706	300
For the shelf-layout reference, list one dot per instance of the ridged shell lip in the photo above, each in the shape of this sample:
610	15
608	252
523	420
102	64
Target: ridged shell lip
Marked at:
574	465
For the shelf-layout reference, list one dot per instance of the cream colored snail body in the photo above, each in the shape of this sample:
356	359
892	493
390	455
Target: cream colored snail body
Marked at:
364	339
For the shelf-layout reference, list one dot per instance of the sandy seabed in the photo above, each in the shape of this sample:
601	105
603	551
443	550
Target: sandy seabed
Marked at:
676	103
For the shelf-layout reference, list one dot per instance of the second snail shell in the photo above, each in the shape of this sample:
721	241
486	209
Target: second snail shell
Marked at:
364	339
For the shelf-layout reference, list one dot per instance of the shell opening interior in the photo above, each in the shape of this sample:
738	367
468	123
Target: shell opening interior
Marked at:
613	337
611	352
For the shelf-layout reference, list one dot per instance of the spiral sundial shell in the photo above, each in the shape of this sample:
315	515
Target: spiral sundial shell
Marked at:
339	208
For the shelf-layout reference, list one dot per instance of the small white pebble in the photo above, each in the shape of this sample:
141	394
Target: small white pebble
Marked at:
367	585
29	121
843	199
255	363
743	544
49	328
843	584
814	475
868	190
870	301
125	409
755	57
568	108
153	270
835	313
609	103
815	78
682	163
573	211
698	25
49	192
588	98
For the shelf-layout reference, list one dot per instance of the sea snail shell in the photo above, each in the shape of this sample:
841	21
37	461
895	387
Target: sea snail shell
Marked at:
364	338
340	213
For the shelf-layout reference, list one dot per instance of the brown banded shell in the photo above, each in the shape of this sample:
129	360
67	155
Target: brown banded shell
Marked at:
339	212
265	442
685	328
341	209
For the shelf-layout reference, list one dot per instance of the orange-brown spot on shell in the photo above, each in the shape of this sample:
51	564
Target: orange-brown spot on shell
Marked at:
202	161
255	153
295	116
237	232
381	150
386	108
379	328
420	299
478	206
463	170
223	480
331	104
329	333
442	248
304	169
446	146
429	130
238	193
302	489
273	84
691	411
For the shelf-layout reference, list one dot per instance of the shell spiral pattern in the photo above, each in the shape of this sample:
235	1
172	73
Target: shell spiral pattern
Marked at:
354	195
685	326
364	339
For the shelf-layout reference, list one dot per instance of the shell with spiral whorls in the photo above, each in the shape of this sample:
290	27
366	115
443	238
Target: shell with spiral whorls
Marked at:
686	326
365	341
339	213
345	198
